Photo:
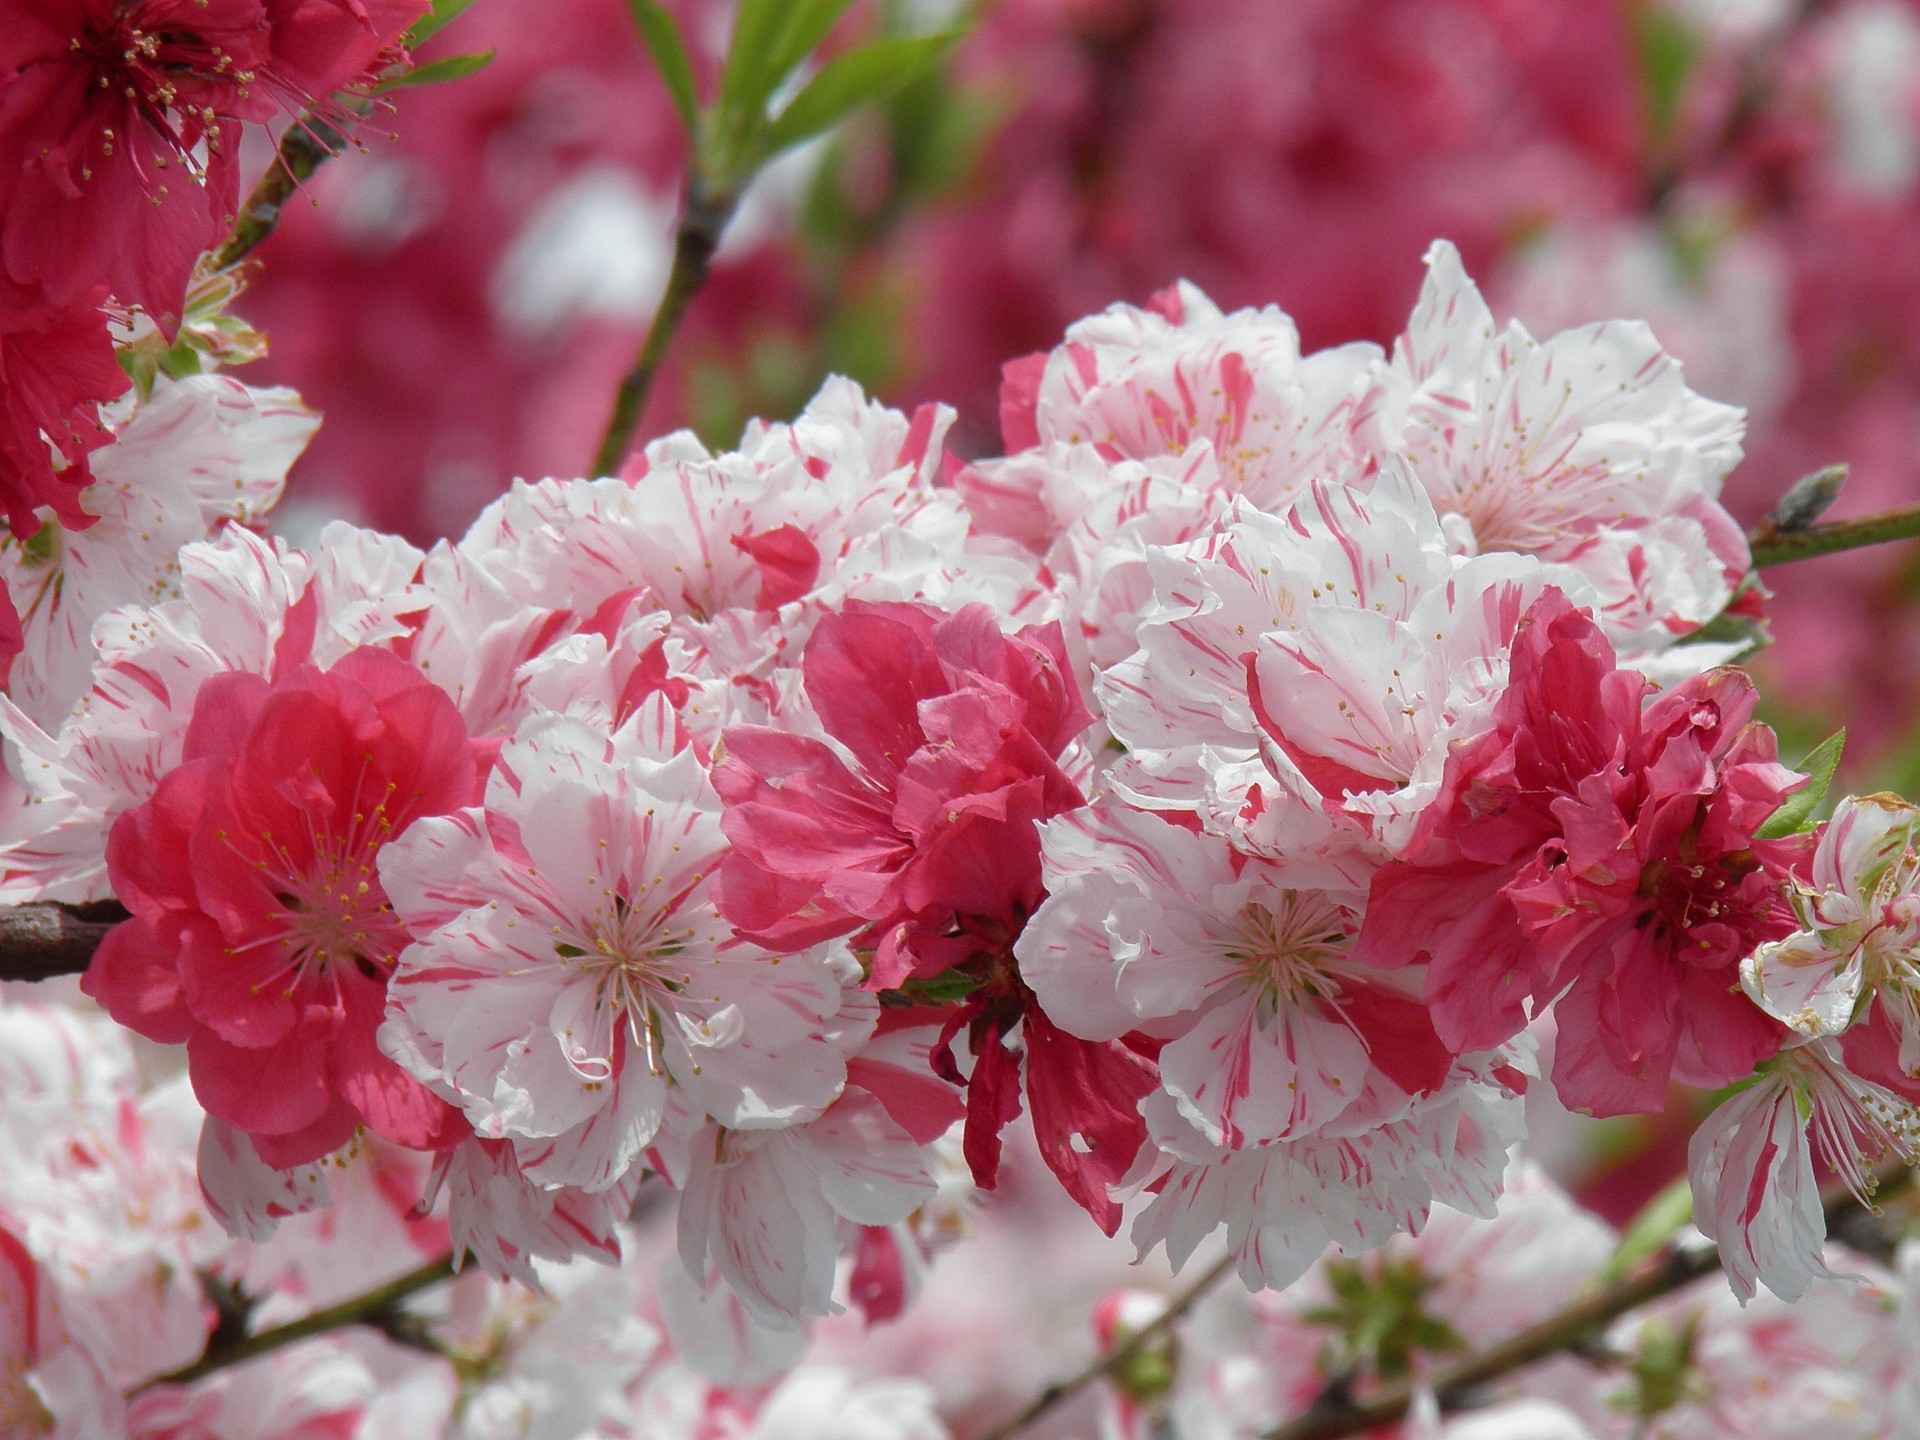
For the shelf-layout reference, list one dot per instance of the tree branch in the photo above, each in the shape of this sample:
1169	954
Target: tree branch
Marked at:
702	222
1338	1416
39	942
1772	545
379	1308
307	145
1116	1359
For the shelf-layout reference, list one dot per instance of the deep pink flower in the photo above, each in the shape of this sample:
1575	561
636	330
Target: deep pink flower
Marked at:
957	730
119	121
56	369
13	637
261	937
1599	839
929	857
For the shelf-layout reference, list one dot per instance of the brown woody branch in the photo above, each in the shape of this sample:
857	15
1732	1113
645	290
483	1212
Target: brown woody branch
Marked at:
39	942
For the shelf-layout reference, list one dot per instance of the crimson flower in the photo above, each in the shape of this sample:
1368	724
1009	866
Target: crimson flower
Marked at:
956	730
926	852
261	936
1596	849
120	120
56	369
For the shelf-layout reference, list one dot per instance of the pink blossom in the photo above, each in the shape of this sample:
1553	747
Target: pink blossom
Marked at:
99	1196
724	561
1139	384
1586	449
245	606
571	976
815	1402
194	455
57	369
317	1391
1859	913
372	1223
1269	1031
127	114
558	1363
261	933
1300	676
1355	1185
1603	839
766	1208
957	731
1752	1162
49	1390
1089	522
927	853
504	1221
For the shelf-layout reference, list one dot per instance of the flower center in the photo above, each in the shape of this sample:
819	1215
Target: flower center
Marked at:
1288	948
1709	903
333	917
150	67
630	957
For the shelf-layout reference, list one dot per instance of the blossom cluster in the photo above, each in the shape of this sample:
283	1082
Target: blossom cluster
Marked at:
109	1275
1239	776
121	122
1244	790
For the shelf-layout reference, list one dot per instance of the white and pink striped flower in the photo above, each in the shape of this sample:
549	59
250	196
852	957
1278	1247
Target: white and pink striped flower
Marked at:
571	969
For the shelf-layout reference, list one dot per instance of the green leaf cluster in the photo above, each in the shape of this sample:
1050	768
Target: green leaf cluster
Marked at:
762	108
1379	1319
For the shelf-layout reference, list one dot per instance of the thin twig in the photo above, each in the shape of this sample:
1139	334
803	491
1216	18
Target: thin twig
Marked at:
1676	1268
702	222
307	145
39	942
378	1308
1760	76
1773	546
1116	1359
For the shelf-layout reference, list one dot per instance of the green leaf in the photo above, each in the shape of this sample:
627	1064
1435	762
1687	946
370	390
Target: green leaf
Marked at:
746	79
181	362
1797	814
857	78
661	34
939	133
949	987
809	22
454	67
440	14
1667	48
1652	1230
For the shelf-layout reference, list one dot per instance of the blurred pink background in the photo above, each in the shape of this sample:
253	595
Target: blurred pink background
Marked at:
461	299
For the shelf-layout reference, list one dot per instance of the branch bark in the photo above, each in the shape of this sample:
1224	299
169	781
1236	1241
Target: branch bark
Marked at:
307	145
39	942
379	1308
1772	545
1121	1355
